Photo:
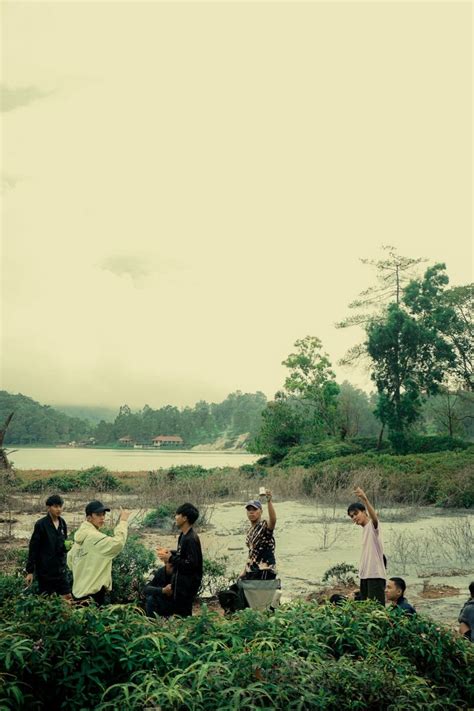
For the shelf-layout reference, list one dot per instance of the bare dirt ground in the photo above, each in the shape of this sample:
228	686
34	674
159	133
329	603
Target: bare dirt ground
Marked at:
310	539
435	592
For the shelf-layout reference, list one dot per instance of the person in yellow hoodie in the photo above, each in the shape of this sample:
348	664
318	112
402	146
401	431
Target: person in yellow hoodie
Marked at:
90	558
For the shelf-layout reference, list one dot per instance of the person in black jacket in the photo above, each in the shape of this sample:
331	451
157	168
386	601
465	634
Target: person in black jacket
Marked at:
158	593
186	562
47	552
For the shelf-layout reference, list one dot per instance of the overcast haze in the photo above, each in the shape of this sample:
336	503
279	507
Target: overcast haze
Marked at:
187	188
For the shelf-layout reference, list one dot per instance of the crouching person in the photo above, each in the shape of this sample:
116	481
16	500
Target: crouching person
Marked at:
395	596
90	558
158	593
186	562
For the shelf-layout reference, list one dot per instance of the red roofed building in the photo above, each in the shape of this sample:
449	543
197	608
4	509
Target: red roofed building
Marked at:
168	440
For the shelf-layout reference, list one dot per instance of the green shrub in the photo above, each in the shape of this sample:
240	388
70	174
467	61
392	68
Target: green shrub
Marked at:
253	471
10	587
305	656
368	444
340	574
307	455
186	471
216	576
418	444
457	489
129	570
97	478
423	479
162	517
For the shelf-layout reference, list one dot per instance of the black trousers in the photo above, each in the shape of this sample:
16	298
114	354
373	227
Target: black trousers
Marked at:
49	586
372	589
183	606
158	604
98	597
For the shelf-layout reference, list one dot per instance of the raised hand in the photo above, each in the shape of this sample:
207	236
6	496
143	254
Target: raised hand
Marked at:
360	493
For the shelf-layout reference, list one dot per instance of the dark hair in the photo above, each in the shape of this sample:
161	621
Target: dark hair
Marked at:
190	511
400	583
471	588
356	506
54	500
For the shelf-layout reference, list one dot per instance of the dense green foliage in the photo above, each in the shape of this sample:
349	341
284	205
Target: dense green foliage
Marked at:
419	444
128	571
442	479
33	423
186	471
450	413
409	352
306	411
97	478
282	428
237	414
419	341
161	517
312	383
307	455
303	657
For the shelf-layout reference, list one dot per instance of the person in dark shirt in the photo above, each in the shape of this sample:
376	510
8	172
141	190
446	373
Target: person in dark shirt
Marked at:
159	602
466	616
186	562
394	594
47	552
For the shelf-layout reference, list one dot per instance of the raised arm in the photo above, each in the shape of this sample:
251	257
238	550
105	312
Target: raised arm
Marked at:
370	509
272	517
111	546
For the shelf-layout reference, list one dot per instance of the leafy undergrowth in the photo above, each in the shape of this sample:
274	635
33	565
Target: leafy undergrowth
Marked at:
356	656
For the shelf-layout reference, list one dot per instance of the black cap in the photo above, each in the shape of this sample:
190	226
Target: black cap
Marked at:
95	507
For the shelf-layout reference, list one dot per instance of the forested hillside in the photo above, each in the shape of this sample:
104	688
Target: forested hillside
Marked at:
34	423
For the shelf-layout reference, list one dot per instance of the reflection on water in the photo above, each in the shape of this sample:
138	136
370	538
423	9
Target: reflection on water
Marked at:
124	460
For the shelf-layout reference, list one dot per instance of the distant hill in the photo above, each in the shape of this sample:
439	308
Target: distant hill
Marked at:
34	423
89	412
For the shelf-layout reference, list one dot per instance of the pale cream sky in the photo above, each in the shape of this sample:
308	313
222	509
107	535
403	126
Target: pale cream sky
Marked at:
187	188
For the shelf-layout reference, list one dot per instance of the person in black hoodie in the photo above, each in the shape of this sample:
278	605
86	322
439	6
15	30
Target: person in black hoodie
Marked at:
47	552
158	593
186	562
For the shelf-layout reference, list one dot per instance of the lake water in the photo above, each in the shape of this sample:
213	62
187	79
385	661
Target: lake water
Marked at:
124	460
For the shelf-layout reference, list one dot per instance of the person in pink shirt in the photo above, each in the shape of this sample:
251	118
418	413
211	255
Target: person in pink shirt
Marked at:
372	560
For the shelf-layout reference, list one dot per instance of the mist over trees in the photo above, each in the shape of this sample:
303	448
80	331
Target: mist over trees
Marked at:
35	424
418	348
239	413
